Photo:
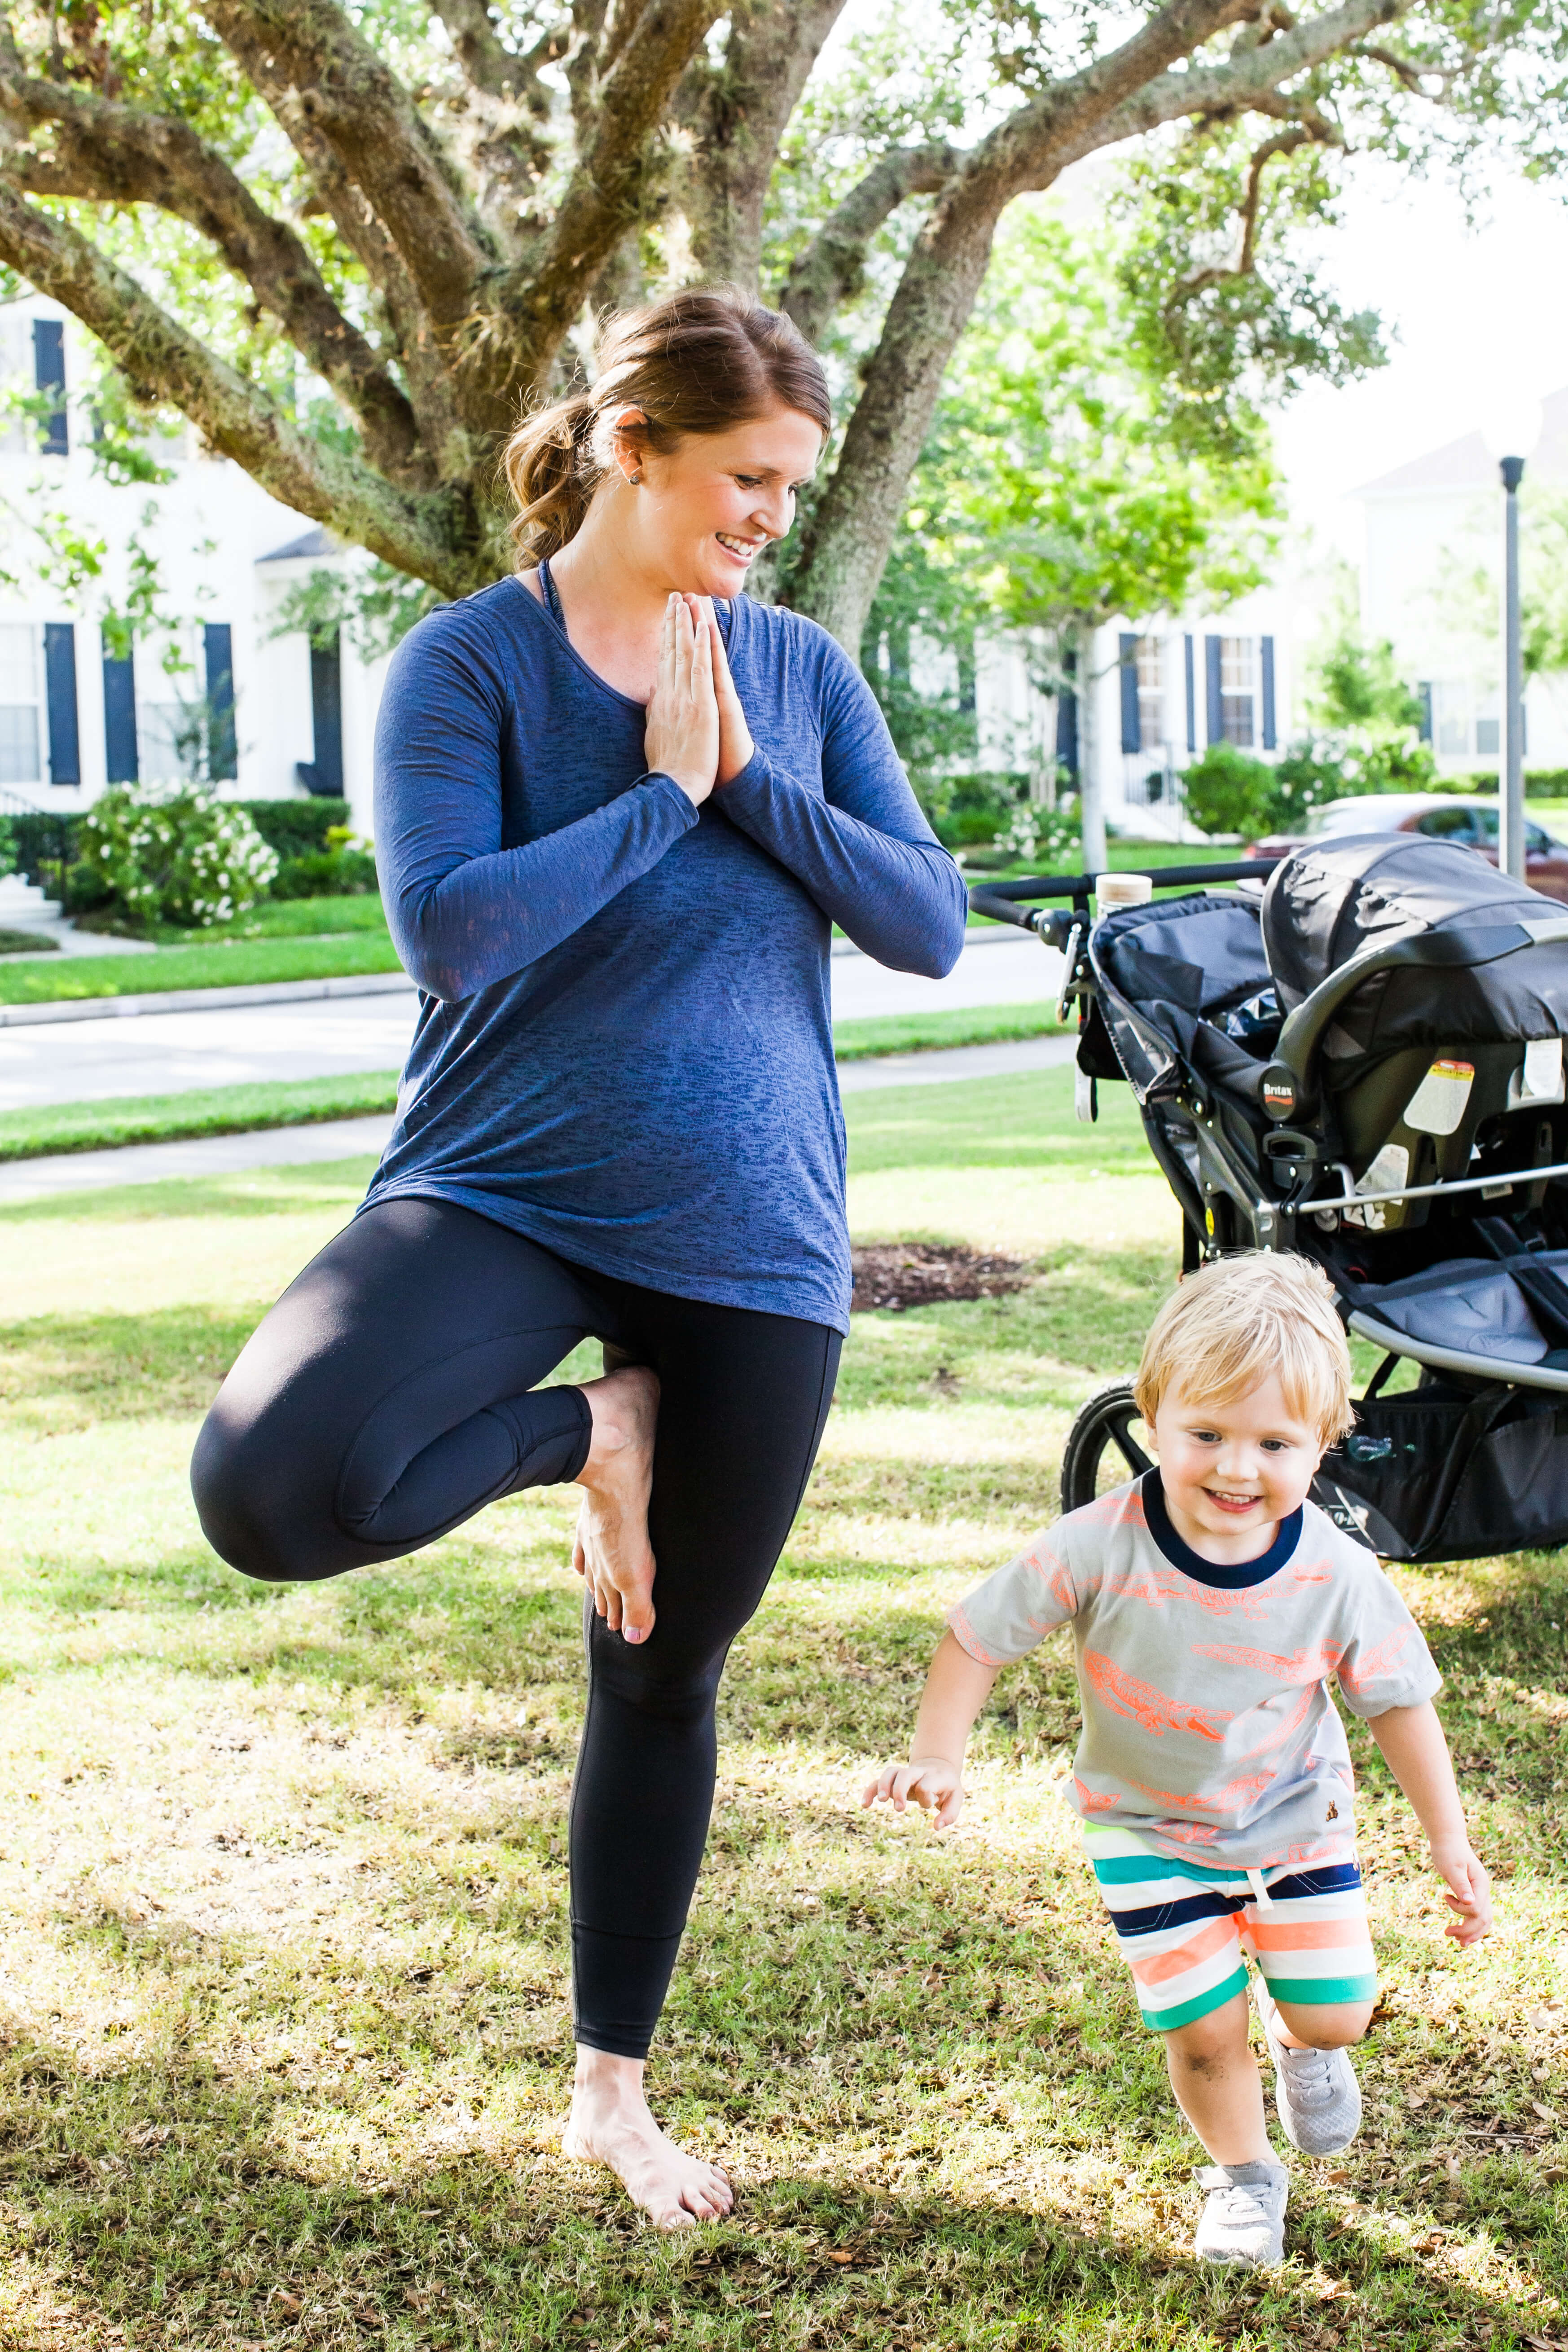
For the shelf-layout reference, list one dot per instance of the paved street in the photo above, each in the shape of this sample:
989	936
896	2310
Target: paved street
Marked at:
344	1138
168	1053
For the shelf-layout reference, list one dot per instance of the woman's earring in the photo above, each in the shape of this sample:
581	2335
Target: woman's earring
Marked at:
636	478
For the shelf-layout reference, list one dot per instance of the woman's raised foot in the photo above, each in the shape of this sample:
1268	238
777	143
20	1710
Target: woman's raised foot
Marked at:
611	1549
611	2123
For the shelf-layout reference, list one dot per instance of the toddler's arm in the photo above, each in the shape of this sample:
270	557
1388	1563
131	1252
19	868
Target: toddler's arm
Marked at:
1417	1753
957	1687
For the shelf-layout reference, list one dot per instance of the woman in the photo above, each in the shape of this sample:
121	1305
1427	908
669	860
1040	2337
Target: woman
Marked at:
619	807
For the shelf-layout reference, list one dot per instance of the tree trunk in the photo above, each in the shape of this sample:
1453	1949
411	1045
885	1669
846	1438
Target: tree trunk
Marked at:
851	533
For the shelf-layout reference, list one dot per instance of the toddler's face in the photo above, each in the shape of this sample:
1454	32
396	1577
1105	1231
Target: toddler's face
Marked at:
1233	1471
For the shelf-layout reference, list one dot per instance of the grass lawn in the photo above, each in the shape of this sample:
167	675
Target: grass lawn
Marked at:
298	1102
282	1892
297	938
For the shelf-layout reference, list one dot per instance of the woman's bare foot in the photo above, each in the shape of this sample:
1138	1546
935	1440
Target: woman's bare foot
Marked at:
610	2124
611	1549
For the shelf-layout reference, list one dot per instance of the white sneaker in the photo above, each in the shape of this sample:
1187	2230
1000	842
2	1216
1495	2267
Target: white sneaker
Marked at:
1243	2220
1315	2090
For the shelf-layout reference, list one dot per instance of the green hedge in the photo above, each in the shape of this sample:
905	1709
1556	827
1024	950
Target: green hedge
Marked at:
295	828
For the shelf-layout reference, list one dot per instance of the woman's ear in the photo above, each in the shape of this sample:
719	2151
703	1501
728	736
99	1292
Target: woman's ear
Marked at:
629	442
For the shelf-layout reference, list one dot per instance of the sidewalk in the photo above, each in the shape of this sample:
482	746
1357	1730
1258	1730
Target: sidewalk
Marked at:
347	1138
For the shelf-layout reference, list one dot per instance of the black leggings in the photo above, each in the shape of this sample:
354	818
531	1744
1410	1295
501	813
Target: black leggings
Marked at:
389	1395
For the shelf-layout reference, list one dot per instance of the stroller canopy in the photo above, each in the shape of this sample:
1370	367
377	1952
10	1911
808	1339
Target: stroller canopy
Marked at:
1331	901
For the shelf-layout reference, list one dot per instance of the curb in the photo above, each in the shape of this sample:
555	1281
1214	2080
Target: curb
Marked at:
204	1000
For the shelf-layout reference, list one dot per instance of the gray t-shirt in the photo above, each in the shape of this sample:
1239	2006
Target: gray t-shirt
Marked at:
1208	1728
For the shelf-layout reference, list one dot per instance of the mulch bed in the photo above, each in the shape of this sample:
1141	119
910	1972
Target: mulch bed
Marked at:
919	1274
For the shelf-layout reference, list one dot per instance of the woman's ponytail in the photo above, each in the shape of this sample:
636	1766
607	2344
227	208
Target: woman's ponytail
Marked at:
702	360
550	467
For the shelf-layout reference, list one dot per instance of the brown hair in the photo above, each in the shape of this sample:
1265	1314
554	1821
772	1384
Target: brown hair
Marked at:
700	361
1240	1318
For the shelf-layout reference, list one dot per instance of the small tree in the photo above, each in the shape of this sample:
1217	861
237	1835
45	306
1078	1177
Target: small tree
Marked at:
1064	484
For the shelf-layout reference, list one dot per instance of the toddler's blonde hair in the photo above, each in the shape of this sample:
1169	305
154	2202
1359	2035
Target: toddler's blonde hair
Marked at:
1240	1320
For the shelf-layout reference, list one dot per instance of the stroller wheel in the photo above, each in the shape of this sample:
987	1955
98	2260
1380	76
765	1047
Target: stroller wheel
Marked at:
1102	1448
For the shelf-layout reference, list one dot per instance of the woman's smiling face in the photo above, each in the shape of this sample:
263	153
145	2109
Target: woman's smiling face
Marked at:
705	510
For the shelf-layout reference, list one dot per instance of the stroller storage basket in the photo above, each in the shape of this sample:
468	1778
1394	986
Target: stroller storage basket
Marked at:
1438	1474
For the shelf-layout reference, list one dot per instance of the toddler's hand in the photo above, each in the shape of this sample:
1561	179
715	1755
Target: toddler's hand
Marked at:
1470	1891
929	1780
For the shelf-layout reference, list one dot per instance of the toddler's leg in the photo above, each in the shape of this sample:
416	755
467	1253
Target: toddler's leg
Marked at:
1214	2077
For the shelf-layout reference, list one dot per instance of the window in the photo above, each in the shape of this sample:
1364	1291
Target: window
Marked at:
1449	824
19	733
1151	693
1237	689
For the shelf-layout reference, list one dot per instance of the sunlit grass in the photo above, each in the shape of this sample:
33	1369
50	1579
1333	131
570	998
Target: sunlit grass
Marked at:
282	1892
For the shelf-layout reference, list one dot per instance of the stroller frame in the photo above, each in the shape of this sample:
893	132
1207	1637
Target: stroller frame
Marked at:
1245	1160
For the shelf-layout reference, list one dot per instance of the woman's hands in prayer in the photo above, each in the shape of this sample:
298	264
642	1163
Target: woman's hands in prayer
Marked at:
735	744
695	729
681	736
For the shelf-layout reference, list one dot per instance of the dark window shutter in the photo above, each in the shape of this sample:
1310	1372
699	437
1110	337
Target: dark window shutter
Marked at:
1131	732
327	716
217	655
1216	731
1423	696
1266	665
60	685
119	718
49	375
1191	696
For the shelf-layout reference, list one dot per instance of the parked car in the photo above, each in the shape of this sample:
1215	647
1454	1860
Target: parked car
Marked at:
1444	816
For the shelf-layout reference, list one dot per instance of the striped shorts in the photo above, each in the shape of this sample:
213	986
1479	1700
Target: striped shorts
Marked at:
1184	1929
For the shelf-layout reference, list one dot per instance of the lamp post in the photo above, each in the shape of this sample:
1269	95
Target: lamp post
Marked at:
1510	428
1510	835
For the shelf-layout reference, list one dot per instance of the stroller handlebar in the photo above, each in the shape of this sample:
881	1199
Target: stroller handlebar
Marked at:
1000	902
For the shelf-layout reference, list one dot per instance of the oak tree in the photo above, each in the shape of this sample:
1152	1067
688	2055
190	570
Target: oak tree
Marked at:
349	243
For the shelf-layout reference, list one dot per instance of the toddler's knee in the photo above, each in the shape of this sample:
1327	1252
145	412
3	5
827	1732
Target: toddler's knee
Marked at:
1338	2028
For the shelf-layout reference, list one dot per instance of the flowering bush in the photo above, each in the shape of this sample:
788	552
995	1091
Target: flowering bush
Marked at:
1046	839
172	853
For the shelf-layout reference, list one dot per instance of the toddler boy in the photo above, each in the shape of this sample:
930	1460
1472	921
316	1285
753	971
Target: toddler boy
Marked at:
1210	1602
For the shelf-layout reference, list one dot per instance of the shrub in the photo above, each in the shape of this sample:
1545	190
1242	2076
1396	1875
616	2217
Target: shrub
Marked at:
175	855
1227	791
8	847
295	828
345	868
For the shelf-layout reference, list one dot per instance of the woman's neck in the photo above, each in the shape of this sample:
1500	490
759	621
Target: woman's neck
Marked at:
612	598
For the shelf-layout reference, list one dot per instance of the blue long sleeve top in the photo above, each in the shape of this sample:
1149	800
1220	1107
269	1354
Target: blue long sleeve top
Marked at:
625	1045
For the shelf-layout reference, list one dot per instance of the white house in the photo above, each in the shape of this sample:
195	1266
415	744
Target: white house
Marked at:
1430	526
1157	695
76	712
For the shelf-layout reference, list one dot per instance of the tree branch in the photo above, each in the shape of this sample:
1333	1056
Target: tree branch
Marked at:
1132	89
433	538
830	269
111	153
738	111
1284	142
1248	80
602	197
502	114
306	57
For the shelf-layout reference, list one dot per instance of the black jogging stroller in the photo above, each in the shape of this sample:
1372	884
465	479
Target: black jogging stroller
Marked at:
1361	1061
